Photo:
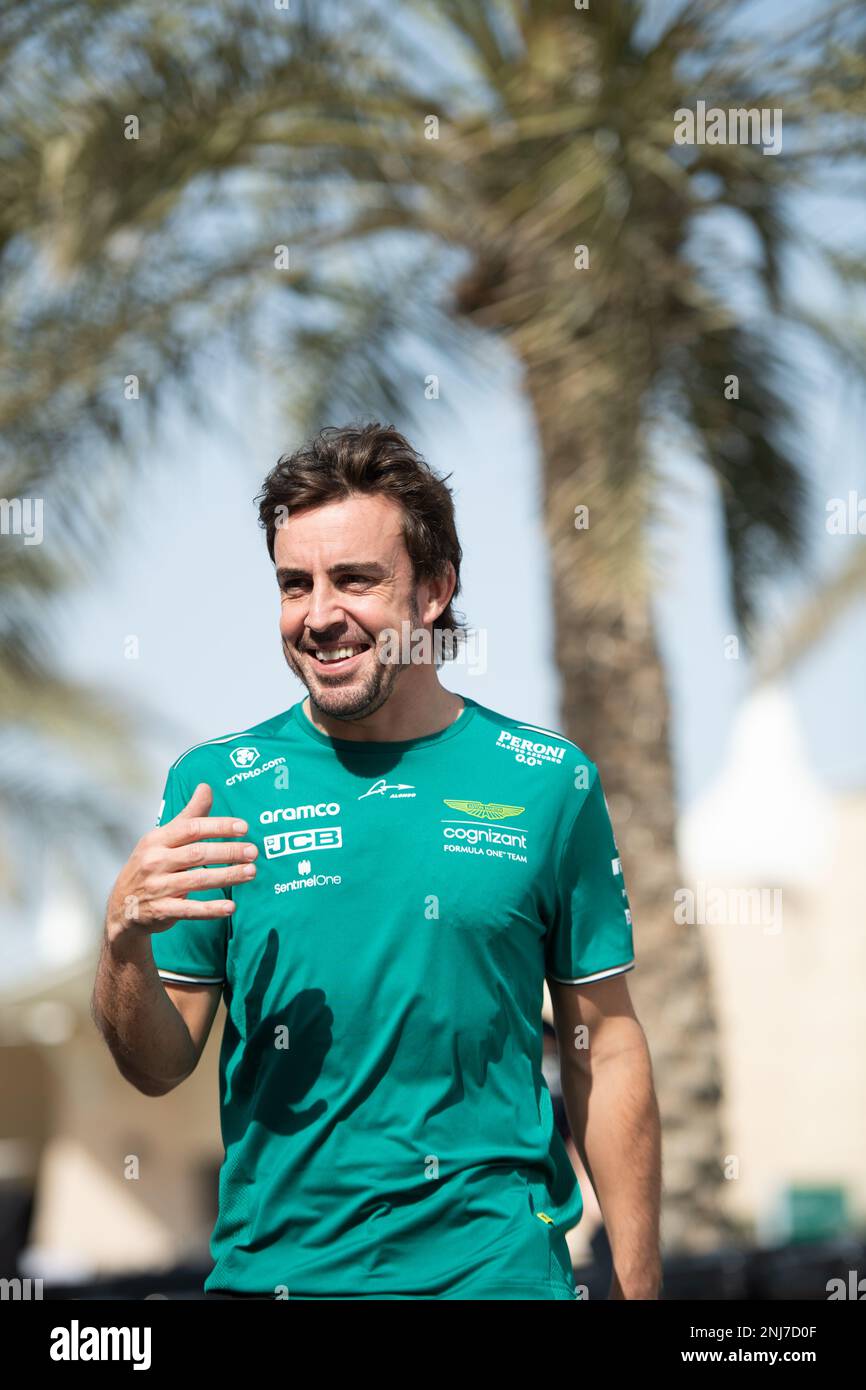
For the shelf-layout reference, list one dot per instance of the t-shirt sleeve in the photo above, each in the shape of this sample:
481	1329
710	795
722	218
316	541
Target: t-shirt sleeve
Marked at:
590	936
193	949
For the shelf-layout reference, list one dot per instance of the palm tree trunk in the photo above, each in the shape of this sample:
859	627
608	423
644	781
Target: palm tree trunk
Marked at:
615	707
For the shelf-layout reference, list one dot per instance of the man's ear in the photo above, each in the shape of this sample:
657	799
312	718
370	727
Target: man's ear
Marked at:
444	585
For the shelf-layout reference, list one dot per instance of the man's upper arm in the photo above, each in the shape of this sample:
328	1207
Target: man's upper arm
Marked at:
197	1006
593	1021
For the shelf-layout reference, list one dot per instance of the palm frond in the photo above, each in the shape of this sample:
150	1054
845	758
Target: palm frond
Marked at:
776	653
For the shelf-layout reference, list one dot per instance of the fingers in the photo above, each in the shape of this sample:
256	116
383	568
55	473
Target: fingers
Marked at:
173	910
204	852
199	803
193	823
172	861
199	880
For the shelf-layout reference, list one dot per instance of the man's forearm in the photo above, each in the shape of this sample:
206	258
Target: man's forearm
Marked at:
614	1119
146	1035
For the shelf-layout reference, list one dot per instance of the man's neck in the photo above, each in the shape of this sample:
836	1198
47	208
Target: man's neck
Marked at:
400	718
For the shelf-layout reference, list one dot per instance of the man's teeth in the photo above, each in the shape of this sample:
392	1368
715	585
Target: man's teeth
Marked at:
338	654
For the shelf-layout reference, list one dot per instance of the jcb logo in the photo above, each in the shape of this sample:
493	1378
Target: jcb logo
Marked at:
303	841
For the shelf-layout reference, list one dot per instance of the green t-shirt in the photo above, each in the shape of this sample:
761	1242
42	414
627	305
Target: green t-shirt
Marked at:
388	1131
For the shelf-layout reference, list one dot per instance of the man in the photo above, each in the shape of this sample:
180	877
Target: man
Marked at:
377	881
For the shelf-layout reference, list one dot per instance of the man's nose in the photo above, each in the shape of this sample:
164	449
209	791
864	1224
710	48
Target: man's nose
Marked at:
324	608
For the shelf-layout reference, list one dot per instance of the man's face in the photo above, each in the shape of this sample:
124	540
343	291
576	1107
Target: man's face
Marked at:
345	577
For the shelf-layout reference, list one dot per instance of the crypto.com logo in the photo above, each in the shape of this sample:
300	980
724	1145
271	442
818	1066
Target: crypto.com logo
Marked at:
245	757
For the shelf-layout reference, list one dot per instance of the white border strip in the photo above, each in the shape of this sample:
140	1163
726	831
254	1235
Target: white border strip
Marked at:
551	733
191	979
600	975
208	743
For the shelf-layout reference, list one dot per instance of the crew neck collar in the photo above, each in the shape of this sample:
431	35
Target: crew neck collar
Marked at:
352	745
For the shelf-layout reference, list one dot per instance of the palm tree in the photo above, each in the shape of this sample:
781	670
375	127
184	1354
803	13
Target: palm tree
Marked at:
430	174
69	754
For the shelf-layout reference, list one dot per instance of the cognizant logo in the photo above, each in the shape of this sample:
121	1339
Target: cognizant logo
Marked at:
478	834
462	837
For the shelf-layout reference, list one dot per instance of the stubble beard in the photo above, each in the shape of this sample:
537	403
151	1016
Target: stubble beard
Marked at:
365	694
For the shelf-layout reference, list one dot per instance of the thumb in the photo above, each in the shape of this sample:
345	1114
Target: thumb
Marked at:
199	803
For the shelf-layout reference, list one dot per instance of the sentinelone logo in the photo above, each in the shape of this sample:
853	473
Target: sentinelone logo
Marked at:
76	1343
307	880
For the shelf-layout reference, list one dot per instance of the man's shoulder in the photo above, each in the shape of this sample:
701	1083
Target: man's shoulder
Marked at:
236	751
546	768
532	745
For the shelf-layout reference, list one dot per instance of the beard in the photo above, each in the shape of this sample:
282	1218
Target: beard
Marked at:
363	693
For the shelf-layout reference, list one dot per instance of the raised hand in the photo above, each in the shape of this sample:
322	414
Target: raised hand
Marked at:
150	892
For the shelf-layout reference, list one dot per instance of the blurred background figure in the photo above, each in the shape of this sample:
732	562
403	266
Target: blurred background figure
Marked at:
605	267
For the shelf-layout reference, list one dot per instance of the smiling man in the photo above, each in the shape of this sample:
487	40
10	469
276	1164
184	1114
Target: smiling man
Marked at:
377	881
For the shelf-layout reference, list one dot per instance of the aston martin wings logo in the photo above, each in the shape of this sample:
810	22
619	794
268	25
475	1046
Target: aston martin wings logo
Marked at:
491	811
